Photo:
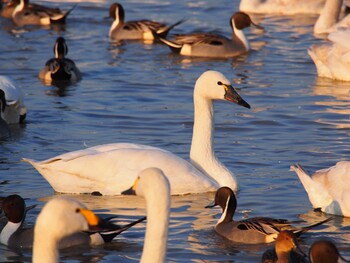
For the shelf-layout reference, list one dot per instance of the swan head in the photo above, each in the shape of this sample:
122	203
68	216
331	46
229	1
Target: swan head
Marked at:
213	85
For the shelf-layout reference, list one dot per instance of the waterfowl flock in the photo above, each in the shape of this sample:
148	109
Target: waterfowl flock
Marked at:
121	165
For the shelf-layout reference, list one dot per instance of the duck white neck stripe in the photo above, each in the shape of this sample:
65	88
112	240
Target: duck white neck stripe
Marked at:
222	218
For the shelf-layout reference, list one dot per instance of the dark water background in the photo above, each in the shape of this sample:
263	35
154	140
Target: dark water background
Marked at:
142	93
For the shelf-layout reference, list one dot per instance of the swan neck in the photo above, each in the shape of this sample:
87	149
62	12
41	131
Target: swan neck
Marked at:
328	17
45	250
158	210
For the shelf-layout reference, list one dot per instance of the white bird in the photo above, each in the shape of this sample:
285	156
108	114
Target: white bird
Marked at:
14	110
283	7
332	60
328	189
60	217
153	185
111	168
329	21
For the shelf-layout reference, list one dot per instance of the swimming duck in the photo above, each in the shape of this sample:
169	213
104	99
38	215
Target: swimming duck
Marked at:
154	186
325	251
62	217
283	7
212	45
141	29
60	68
13	109
9	6
328	189
253	230
287	250
14	235
22	15
110	168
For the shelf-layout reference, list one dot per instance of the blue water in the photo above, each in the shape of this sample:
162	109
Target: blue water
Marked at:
142	93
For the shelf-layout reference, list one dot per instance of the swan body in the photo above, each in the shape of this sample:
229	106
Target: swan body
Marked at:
14	110
328	189
332	60
110	168
283	7
154	186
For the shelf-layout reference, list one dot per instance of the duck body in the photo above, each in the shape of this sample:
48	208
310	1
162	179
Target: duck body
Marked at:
328	189
14	110
109	168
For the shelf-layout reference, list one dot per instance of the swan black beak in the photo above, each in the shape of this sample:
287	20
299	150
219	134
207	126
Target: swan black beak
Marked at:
131	190
96	223
232	95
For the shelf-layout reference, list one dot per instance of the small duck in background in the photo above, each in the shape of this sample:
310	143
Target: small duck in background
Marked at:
7	8
24	15
255	230
12	109
325	251
213	45
135	30
60	68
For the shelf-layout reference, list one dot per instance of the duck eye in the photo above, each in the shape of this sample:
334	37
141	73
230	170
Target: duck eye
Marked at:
220	83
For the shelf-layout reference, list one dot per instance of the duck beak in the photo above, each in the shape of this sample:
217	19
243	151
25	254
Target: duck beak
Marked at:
232	95
211	205
257	26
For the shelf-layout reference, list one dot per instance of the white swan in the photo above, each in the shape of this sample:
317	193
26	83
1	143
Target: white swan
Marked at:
111	168
14	110
284	7
328	21
332	60
155	188
59	218
328	189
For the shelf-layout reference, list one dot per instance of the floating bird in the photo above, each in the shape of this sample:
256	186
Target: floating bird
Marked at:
287	250
132	30
252	230
110	168
14	235
13	109
60	218
23	15
153	185
324	251
60	68
213	45
328	189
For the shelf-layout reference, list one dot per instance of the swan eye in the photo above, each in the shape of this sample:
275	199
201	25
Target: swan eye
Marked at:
77	210
220	83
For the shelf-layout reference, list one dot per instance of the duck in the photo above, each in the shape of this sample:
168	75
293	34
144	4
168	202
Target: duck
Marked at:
4	127
22	15
287	250
60	218
212	45
109	168
325	251
329	21
255	230
328	189
13	108
135	30
60	68
282	7
14	235
9	6
154	187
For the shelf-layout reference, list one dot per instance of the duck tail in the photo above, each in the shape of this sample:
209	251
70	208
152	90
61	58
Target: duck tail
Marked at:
163	32
299	232
61	19
109	236
175	47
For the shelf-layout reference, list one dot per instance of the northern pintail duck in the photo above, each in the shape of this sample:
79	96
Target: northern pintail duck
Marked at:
287	250
62	217
332	59
325	251
253	230
23	15
110	168
133	30
8	8
328	189
14	235
60	68
154	187
4	128
213	45
13	109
